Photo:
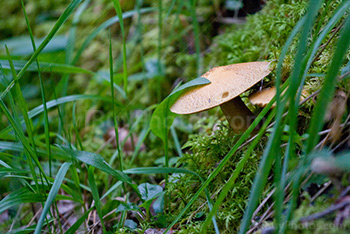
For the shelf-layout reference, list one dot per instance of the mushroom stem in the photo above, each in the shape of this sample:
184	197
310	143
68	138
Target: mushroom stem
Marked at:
237	114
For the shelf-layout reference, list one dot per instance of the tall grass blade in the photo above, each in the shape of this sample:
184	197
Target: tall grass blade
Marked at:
75	127
113	110
95	196
20	134
73	229
118	10
46	67
144	133
159	48
23	195
196	35
46	124
63	84
52	194
176	140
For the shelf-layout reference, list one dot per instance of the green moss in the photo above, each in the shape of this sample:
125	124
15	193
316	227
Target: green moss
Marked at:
206	149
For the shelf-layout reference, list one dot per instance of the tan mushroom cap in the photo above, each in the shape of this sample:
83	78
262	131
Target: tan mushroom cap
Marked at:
263	97
227	82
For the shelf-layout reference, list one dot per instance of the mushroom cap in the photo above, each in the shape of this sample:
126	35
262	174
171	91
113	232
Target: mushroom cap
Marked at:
227	82
263	97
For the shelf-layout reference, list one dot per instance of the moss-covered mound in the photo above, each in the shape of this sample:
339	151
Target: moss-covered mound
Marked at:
262	37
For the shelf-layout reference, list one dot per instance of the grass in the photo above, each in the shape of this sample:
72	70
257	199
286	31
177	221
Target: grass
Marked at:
52	146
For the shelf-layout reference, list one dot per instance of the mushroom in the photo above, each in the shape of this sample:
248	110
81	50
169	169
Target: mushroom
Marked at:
263	97
227	83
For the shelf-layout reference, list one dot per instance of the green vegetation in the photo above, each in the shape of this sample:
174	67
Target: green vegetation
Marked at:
88	142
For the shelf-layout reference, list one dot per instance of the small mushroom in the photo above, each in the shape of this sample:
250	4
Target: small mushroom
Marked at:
227	83
263	97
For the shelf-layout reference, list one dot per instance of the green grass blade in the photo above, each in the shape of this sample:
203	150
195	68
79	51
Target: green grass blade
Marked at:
72	31
73	229
75	127
118	10
111	189
116	131
159	48
18	147
26	230
297	79
196	35
46	67
169	11
95	196
144	133
176	141
64	81
47	130
20	196
22	105
159	170
97	161
52	194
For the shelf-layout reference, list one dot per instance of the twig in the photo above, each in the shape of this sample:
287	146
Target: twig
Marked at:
329	40
344	192
34	217
257	210
105	144
321	190
321	214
